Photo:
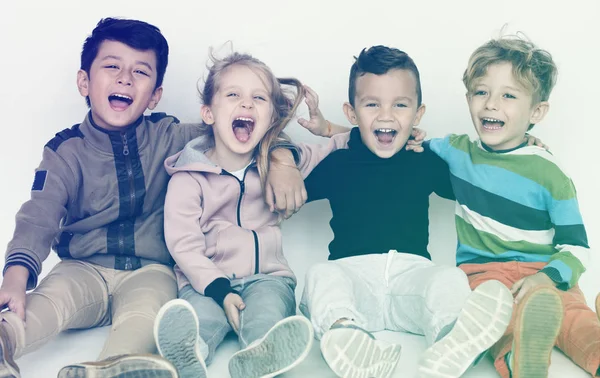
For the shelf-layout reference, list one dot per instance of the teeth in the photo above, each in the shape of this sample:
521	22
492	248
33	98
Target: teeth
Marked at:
491	120
122	96
244	119
385	130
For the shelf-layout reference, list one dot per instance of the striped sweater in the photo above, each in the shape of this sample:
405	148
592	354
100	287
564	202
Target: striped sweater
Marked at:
515	205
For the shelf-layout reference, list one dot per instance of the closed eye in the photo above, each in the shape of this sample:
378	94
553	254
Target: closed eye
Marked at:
260	98
401	106
508	95
479	93
370	105
141	72
111	66
233	94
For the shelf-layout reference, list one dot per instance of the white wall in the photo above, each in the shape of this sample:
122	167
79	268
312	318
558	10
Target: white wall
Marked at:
313	40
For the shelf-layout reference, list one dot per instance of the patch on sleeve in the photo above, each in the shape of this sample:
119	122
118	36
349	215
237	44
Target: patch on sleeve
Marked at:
40	180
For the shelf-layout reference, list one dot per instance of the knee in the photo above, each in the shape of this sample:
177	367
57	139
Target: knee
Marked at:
319	270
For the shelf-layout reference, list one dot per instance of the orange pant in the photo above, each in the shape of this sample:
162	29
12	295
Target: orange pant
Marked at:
579	337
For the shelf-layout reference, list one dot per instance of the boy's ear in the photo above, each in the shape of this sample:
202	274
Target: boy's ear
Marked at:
539	112
207	115
419	115
156	96
350	114
82	83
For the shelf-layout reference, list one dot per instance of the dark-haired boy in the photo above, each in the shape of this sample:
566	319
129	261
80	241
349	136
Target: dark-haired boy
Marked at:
379	196
97	199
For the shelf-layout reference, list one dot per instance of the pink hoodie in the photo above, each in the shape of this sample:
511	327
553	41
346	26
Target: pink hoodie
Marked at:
218	226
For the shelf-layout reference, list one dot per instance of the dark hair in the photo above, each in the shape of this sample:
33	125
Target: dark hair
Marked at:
379	60
136	34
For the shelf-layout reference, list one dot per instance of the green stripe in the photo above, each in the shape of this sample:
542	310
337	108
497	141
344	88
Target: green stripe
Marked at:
484	241
533	167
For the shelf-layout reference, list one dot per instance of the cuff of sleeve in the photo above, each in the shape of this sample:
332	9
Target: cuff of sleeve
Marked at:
290	146
218	290
556	277
19	258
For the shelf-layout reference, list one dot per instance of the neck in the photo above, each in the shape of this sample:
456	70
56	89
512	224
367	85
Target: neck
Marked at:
228	160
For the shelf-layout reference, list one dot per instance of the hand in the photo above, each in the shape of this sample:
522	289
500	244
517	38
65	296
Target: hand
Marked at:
531	140
233	304
317	124
523	285
284	189
416	143
12	292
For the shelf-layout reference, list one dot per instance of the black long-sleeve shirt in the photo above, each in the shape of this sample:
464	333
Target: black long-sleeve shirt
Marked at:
378	204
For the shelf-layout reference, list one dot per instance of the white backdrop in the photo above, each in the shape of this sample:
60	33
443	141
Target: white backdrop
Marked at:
313	40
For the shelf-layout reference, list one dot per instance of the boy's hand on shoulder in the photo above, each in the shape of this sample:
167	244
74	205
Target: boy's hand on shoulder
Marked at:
533	141
284	190
233	304
416	142
317	124
524	285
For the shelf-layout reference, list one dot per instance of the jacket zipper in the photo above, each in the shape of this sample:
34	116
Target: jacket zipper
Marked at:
239	219
129	167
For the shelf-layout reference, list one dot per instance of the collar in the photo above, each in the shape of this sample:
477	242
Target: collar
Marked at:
488	149
105	140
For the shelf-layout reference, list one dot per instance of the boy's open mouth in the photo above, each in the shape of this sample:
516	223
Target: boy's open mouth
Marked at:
119	101
491	123
385	136
242	128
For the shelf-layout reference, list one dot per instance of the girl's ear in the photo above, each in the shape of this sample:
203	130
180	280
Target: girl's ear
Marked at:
207	115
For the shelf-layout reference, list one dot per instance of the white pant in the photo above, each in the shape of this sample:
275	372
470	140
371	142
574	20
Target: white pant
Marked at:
393	291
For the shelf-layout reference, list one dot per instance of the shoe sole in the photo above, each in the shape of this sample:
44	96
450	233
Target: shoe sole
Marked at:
537	326
482	321
125	367
177	333
282	348
351	352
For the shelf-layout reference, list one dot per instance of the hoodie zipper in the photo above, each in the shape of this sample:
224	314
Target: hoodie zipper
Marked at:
129	167
239	219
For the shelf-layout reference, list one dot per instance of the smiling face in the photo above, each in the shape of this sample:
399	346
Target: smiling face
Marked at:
120	85
386	109
502	109
240	113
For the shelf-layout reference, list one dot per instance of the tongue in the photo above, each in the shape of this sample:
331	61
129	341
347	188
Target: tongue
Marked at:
118	104
242	134
385	138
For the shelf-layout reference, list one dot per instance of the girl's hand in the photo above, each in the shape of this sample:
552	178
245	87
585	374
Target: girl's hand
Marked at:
531	140
233	304
284	189
416	144
317	124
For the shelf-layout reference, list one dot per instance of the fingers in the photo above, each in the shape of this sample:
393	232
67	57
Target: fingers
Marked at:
517	285
270	197
418	134
234	320
18	308
304	123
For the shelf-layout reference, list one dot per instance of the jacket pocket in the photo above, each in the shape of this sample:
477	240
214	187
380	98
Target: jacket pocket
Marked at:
270	251
234	252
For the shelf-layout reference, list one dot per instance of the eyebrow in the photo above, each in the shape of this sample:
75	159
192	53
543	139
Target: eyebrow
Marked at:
374	98
239	87
141	62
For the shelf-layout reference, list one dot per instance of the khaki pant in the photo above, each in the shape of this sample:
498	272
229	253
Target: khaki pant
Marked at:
579	336
80	295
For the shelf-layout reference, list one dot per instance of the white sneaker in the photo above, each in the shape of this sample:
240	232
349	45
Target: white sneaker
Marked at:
177	336
480	324
351	351
282	348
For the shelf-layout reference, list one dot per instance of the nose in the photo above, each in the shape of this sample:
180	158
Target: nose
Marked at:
247	103
124	78
385	114
491	103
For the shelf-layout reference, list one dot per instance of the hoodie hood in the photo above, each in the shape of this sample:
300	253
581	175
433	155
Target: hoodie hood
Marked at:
192	158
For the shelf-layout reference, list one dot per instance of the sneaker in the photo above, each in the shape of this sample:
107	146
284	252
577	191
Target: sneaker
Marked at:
537	324
123	366
177	336
8	367
282	348
482	321
351	351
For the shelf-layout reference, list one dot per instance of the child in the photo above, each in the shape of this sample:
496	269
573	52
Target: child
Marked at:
517	215
93	202
226	242
369	286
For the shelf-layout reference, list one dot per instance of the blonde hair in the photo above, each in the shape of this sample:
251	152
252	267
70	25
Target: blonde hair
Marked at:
533	67
284	102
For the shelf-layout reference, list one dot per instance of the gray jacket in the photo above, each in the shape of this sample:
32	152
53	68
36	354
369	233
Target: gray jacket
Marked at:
98	196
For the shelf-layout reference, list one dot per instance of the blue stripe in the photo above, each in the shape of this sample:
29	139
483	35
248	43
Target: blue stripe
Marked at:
565	212
465	253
